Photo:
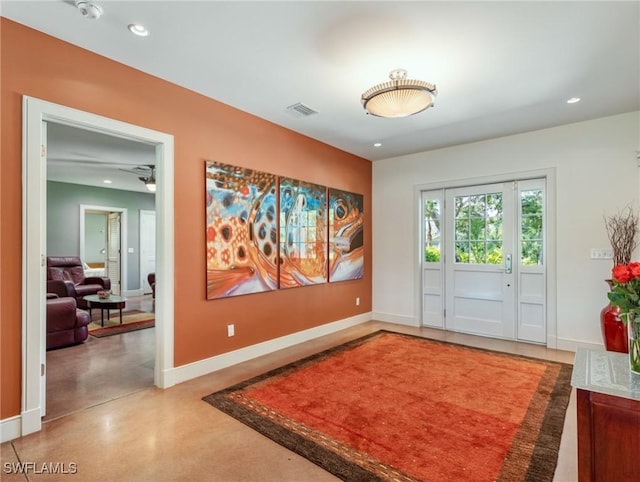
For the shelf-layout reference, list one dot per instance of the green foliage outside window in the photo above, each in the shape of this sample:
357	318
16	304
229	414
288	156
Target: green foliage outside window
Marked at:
531	227
432	230
431	254
478	229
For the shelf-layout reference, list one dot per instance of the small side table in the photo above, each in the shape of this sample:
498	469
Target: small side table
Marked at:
114	302
608	410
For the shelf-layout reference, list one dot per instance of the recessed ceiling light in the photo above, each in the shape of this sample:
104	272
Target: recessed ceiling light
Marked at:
573	100
138	29
377	144
107	181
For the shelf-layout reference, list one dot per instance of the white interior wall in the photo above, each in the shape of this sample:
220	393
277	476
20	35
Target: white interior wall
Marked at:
596	165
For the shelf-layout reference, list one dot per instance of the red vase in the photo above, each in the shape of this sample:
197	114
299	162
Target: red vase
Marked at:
614	332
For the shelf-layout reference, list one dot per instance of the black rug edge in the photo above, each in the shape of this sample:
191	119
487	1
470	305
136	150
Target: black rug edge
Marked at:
324	458
349	471
544	459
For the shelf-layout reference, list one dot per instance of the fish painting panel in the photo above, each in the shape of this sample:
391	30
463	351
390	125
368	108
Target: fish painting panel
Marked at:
241	231
346	235
303	233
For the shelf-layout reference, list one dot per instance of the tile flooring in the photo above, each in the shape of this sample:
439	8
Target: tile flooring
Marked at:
129	432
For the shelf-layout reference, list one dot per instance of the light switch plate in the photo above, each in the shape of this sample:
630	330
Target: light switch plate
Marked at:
601	253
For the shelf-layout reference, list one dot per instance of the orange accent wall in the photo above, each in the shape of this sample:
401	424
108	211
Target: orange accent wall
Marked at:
41	66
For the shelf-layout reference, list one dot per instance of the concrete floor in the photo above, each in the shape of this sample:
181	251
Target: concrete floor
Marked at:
121	428
101	369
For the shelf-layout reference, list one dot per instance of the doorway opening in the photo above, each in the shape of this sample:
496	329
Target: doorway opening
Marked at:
117	360
102	367
486	256
37	113
103	240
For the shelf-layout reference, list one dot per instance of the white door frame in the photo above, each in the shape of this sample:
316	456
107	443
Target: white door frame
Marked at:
35	114
550	175
123	243
143	278
113	247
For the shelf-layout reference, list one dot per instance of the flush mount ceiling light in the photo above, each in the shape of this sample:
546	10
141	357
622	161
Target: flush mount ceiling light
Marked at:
89	10
573	100
400	97
138	29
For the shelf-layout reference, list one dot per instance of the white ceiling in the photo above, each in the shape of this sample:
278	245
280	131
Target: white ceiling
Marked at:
85	157
500	67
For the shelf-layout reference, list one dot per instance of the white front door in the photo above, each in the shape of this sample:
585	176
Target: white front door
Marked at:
479	269
483	269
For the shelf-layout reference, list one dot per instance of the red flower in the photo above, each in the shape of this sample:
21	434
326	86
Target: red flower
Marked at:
635	269
621	273
625	293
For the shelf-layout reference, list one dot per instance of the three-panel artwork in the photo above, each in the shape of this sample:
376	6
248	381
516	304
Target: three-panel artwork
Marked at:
267	232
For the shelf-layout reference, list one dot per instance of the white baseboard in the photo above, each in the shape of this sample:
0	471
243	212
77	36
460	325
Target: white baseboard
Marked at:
31	421
14	427
166	378
10	428
398	319
204	367
568	344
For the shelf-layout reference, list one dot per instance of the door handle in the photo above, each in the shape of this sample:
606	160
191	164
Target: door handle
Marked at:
507	264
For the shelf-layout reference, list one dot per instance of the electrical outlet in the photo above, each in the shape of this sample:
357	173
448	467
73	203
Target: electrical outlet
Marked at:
601	253
358	301
231	330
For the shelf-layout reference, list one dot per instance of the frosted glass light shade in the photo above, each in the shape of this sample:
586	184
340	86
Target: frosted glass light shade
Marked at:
399	97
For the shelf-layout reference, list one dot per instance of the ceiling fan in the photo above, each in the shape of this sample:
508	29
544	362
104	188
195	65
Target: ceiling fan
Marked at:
146	172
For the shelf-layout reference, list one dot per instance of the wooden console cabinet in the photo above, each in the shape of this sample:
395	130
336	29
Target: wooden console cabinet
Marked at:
608	410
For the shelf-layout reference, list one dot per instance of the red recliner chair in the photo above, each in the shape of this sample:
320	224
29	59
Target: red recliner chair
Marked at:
66	324
65	278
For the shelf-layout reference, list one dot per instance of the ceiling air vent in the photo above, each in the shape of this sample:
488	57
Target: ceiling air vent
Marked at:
301	110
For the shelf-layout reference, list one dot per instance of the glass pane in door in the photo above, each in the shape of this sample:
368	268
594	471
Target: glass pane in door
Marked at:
478	228
531	210
432	218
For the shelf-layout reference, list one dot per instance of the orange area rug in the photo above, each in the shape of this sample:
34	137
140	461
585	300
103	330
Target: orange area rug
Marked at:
397	407
131	321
